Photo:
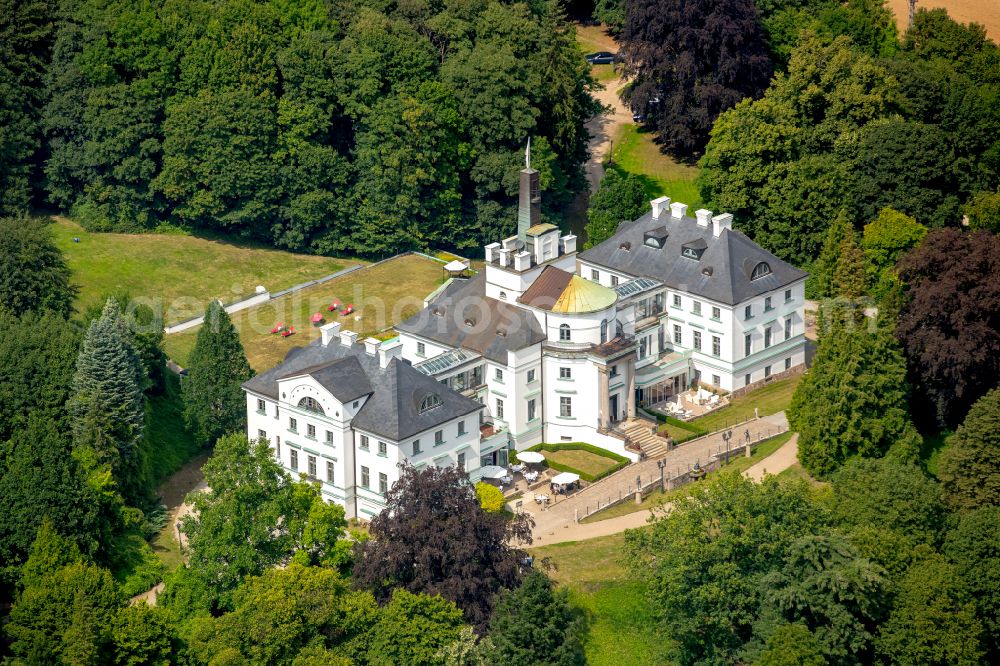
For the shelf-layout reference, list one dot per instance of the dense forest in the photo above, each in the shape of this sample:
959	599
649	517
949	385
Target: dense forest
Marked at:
331	126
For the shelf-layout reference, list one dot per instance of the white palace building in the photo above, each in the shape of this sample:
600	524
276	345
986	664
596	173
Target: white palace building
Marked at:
547	344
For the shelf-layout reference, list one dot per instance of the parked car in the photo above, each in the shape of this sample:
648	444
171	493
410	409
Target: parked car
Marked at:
600	58
638	117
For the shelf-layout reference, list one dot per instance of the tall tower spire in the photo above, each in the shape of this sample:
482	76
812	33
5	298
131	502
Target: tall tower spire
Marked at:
529	206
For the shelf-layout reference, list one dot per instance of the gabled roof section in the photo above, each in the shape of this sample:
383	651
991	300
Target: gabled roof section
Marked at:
715	268
463	316
342	377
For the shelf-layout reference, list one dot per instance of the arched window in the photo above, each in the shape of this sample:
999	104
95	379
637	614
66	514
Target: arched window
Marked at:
760	270
311	404
429	402
604	330
503	295
564	332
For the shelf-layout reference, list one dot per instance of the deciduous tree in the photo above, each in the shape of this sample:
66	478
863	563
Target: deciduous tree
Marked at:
887	238
214	402
535	623
972	547
691	61
619	198
949	327
434	538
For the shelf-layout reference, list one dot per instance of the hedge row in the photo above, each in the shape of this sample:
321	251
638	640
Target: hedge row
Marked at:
671	425
622	461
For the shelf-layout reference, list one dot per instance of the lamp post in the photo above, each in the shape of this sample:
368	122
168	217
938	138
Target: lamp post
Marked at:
662	464
726	436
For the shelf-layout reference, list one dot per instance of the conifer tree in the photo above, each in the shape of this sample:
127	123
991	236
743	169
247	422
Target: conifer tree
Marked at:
969	467
821	275
107	406
214	403
849	271
853	401
49	553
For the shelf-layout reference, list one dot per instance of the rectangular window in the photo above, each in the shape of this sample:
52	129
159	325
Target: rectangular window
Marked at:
498	375
677	300
767	372
767	337
697	307
716	345
381	448
329	437
614	280
293	460
677	334
697	340
716	313
461	461
564	332
311	466
788	363
365	478
330	477
614	371
293	425
438	437
383	483
565	406
499	414
310	431
788	295
788	327
595	275
748	312
421	349
531	409
746	380
261	406
461	428
277	446
416	446
643	346
261	434
767	304
747	344
716	380
364	442
531	376
565	373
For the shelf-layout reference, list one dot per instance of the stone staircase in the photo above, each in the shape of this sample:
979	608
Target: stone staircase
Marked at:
640	432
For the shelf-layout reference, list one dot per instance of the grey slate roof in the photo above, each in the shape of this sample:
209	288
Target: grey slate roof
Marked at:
462	316
731	258
393	409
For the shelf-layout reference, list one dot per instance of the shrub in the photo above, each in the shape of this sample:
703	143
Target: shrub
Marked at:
490	497
580	446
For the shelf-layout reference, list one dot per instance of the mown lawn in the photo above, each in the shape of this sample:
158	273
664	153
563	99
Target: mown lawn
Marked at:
737	463
382	295
581	461
622	631
179	272
770	399
635	152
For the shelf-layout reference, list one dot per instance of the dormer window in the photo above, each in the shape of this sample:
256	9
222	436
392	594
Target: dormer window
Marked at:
430	402
760	270
311	404
655	238
503	295
694	249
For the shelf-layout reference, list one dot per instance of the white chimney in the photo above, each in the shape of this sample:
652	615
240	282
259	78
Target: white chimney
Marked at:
569	243
491	250
329	331
347	338
720	222
704	217
659	205
678	210
522	261
505	257
388	351
371	346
